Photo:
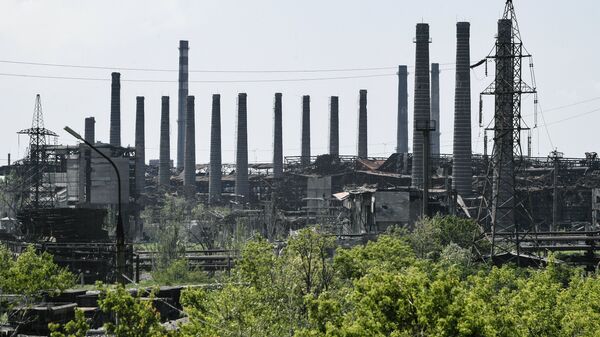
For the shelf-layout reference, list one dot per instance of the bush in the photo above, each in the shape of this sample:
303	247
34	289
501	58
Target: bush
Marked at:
178	272
31	273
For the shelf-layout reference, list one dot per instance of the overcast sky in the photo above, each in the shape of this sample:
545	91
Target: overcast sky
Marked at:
281	35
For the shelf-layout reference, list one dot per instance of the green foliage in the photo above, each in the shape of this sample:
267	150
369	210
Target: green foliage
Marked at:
580	307
308	259
31	273
75	328
389	252
135	317
257	264
398	286
431	235
178	272
268	292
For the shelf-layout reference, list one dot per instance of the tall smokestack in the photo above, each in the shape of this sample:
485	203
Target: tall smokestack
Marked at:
461	164
241	155
422	103
89	131
435	110
402	128
334	127
182	101
305	156
277	138
214	183
90	136
140	154
503	157
115	110
362	124
164	167
189	162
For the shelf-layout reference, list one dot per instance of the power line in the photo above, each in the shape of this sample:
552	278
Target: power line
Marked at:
568	105
206	70
200	81
573	117
573	104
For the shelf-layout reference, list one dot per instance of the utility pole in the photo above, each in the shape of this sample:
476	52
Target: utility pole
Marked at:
426	126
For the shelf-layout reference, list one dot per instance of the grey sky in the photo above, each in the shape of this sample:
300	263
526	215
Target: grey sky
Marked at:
278	34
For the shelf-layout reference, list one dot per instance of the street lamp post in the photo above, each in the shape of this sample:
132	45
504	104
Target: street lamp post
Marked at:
119	231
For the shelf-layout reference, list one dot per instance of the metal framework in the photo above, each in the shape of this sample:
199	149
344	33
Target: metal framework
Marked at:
499	205
38	193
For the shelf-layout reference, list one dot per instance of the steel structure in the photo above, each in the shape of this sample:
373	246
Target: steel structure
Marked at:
38	194
499	203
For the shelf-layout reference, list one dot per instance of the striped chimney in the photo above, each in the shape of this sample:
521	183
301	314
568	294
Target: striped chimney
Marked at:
334	127
182	101
241	155
277	138
164	166
214	183
422	102
115	109
305	156
189	162
140	155
362	124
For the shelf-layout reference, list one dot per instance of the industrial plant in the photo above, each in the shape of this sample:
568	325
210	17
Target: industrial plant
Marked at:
86	200
526	206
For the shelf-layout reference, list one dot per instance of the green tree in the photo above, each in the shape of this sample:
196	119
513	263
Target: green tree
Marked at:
431	235
31	273
579	305
75	328
388	252
308	256
135	316
178	272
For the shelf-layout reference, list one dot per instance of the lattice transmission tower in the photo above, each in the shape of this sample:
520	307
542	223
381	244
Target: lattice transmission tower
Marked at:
36	187
502	212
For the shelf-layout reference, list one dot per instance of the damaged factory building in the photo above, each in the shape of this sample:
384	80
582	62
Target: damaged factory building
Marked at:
67	196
